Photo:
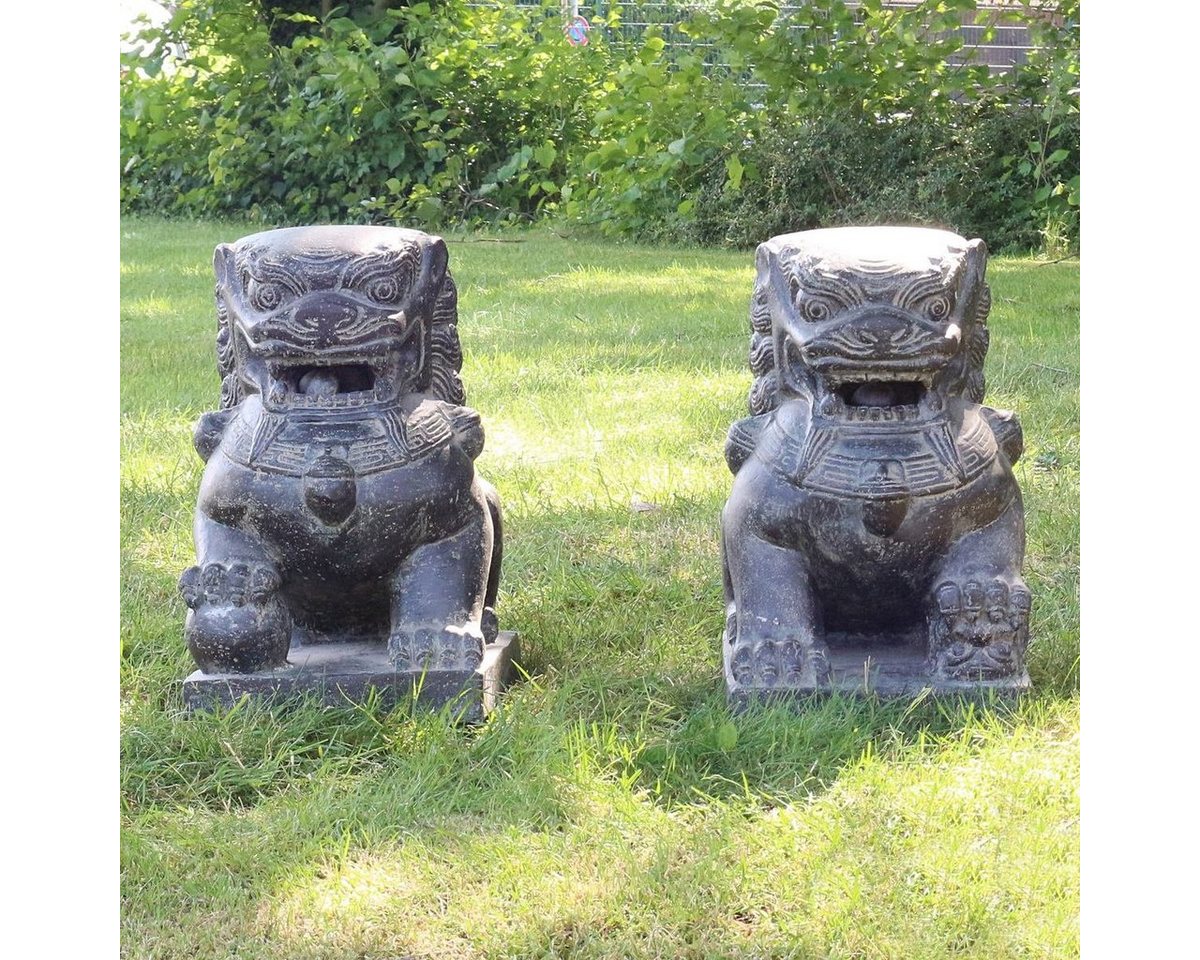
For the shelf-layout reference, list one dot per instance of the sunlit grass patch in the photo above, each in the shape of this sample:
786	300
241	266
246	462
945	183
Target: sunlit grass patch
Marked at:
614	807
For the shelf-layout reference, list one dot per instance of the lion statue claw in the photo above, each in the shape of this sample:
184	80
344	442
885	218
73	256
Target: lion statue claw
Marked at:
340	500
874	498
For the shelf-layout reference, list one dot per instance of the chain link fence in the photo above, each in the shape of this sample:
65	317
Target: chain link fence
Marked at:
1007	46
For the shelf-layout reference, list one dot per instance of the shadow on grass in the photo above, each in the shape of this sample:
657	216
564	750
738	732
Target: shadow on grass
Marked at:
573	781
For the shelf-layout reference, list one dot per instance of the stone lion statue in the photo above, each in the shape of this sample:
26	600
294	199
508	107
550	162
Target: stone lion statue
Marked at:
874	500
340	500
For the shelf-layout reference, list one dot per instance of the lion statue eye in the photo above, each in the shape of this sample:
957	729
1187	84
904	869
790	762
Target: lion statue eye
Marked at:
816	309
939	308
385	290
266	295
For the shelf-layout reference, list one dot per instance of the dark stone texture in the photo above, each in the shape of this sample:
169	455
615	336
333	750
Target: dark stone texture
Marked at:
873	497
341	673
892	667
340	503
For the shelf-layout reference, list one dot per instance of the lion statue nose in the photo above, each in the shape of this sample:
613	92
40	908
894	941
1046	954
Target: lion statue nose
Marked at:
881	331
322	315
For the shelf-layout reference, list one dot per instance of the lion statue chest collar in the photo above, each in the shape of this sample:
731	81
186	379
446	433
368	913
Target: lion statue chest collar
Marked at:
880	456
369	441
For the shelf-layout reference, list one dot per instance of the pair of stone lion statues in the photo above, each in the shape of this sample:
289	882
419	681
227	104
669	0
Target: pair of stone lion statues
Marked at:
873	496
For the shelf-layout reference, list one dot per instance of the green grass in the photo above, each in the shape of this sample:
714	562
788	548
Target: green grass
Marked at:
613	808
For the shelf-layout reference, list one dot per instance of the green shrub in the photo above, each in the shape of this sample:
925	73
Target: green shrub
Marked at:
661	129
433	114
828	171
454	113
841	170
839	115
1041	173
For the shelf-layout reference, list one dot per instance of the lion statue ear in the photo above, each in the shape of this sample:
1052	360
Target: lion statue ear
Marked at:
764	392
973	303
435	263
223	262
231	388
771	306
445	351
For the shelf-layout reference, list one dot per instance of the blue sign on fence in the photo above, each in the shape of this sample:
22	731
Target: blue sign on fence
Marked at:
577	31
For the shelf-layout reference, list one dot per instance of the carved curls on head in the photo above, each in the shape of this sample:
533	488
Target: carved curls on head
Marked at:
764	392
231	388
974	302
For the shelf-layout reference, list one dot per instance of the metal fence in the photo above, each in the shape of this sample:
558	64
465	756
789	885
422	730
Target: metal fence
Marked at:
1007	46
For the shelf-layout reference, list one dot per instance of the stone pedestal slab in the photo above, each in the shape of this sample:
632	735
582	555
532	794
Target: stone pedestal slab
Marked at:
338	673
889	671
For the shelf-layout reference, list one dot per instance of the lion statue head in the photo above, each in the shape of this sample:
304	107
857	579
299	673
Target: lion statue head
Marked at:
336	317
884	323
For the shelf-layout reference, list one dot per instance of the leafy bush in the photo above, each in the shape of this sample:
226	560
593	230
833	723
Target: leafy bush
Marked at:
825	172
839	115
1041	174
417	113
662	127
456	113
838	170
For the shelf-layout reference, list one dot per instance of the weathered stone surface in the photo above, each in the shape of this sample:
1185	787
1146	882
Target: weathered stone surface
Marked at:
340	502
341	673
873	496
887	668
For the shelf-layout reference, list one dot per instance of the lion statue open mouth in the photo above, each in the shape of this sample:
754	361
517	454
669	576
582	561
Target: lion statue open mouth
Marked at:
874	497
340	500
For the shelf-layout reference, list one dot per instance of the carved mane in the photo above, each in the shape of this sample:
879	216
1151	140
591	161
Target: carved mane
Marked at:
764	392
445	351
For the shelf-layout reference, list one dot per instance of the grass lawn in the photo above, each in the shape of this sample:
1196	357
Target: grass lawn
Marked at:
613	807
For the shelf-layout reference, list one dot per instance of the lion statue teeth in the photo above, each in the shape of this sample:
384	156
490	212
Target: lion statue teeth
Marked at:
874	499
340	501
